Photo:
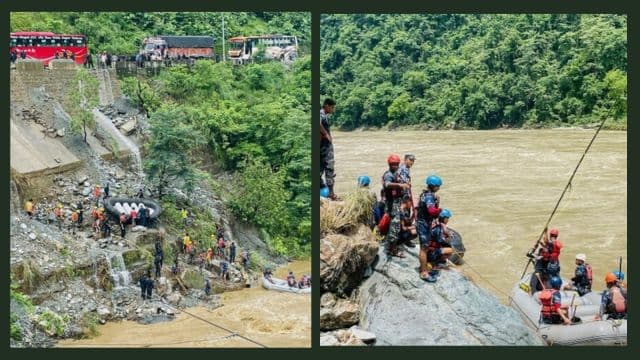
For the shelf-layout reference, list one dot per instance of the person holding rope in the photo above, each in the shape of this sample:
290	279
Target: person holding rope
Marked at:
547	261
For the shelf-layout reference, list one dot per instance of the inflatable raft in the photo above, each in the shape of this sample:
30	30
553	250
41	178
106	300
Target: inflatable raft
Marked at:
587	331
117	205
281	285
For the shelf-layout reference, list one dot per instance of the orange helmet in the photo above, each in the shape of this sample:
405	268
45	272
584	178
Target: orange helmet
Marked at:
554	232
393	159
610	278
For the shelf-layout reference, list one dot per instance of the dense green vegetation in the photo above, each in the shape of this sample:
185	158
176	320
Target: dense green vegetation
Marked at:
252	121
122	33
475	71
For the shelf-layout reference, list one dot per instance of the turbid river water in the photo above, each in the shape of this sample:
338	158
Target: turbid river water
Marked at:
271	318
501	187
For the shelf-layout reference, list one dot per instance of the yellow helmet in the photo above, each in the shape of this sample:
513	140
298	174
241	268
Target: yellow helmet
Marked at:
60	206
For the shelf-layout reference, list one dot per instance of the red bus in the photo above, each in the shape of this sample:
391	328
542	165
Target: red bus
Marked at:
43	46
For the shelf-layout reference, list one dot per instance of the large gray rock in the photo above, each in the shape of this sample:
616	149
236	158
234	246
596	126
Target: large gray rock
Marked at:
402	309
345	259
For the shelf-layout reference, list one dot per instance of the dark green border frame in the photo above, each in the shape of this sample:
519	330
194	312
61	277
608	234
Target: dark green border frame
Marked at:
317	8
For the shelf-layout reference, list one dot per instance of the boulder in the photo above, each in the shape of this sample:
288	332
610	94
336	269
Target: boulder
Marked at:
402	309
129	127
342	314
345	259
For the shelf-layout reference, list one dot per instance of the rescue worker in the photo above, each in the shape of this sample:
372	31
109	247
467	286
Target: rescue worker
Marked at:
291	279
157	261
122	222
183	216
393	188
232	252
224	268
143	286
207	286
186	243
552	311
150	284
439	248
96	193
80	214
614	300
105	226
57	211
407	229
267	273
74	221
620	276
363	183
547	261
427	212
30	208
405	171
326	148
583	278
106	191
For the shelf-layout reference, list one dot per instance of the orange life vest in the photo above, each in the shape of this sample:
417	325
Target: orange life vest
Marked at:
546	297
618	303
74	216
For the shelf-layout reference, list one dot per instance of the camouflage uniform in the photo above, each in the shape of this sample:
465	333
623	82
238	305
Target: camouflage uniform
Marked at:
405	176
425	220
326	154
393	201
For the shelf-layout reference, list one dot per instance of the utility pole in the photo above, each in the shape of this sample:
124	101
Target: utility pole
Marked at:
223	55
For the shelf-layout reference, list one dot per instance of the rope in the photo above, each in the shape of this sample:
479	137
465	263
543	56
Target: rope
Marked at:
218	339
565	190
482	277
216	325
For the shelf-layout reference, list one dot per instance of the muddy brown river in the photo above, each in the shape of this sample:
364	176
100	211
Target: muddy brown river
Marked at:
271	318
501	187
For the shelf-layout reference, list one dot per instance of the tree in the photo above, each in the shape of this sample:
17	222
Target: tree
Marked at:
171	150
82	99
259	196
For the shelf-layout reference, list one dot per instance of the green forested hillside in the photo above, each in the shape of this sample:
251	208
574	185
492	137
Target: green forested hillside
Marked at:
122	32
254	121
475	71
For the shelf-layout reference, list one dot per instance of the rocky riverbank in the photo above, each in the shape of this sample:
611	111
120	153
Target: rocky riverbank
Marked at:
368	298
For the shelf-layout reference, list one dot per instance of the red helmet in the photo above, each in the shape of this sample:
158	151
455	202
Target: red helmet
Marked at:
393	159
554	232
610	278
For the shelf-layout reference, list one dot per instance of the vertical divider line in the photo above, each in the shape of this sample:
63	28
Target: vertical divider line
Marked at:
315	180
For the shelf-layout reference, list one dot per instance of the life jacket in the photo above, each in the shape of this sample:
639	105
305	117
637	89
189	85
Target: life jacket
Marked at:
392	193
551	251
546	298
383	226
209	254
435	241
28	206
426	213
94	213
186	241
74	217
586	278
618	303
96	192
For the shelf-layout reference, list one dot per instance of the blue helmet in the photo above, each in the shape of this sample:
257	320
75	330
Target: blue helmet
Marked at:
433	180
618	274
556	282
324	192
363	180
445	213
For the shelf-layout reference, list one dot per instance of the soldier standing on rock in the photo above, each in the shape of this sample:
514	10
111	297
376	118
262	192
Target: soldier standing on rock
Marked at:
326	148
394	188
143	286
